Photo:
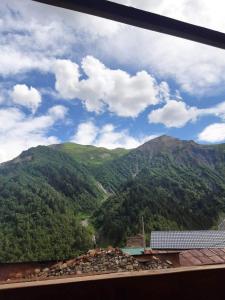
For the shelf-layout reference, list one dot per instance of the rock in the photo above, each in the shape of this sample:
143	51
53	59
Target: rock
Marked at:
155	258
92	252
37	271
101	261
129	268
46	270
70	262
64	266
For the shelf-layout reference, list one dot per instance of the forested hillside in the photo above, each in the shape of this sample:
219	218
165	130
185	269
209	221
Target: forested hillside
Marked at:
43	195
173	184
47	192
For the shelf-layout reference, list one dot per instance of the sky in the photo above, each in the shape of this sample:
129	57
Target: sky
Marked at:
69	77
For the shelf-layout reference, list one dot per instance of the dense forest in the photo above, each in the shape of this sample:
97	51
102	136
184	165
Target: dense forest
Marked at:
53	199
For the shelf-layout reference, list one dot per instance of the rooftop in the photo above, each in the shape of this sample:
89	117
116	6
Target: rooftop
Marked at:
202	257
187	239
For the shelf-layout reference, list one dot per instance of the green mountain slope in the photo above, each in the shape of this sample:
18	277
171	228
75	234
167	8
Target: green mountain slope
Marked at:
42	195
156	152
173	184
47	192
90	155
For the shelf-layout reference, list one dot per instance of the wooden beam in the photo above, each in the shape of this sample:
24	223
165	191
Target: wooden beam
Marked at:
179	283
143	19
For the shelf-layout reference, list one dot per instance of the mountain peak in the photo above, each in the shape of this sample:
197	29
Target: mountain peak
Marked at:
165	143
163	140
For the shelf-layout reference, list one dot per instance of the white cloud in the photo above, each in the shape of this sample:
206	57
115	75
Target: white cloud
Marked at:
32	32
25	96
177	113
14	61
164	91
116	90
173	114
213	133
58	112
19	132
86	133
8	118
107	136
218	111
199	12
197	68
67	78
28	39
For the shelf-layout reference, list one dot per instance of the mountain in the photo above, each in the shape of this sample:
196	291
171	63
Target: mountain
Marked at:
42	193
53	198
159	151
174	184
90	155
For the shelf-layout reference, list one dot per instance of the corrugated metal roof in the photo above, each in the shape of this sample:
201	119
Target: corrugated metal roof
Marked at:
202	257
187	239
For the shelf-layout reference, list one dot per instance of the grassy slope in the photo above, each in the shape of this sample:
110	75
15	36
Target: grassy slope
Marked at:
91	155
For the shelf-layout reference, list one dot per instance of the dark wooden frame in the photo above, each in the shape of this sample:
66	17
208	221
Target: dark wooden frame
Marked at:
143	19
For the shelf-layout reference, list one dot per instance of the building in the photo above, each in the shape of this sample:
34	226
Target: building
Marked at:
136	241
184	240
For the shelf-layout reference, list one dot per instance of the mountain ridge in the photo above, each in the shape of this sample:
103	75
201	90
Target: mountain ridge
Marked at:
47	191
164	140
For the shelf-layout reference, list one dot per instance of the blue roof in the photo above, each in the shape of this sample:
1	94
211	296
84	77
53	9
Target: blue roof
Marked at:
133	251
187	239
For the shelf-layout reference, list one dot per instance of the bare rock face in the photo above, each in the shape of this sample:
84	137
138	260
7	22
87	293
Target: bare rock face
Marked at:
100	261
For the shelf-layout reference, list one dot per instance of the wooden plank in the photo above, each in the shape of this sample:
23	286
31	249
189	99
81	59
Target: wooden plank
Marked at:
109	276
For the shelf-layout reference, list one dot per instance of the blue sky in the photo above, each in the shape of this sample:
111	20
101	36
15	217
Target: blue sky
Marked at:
65	76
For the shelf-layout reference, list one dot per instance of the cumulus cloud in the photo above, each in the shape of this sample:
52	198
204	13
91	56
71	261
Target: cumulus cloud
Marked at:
86	133
25	96
67	78
19	132
177	113
213	133
173	114
104	88
107	136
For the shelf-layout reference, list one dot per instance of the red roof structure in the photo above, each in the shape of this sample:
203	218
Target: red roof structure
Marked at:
199	257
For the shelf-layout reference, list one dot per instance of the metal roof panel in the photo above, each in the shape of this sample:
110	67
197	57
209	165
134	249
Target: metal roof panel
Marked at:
187	239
